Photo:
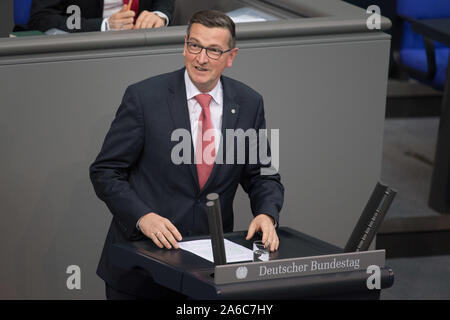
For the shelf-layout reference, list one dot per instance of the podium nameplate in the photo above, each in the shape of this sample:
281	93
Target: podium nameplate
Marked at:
295	267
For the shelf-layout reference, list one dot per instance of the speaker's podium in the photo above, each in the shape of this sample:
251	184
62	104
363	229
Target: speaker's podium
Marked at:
303	268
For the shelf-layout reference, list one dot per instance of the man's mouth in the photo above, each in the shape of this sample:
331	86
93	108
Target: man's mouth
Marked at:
200	69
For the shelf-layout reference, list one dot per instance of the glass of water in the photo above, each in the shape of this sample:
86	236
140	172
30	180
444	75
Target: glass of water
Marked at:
260	253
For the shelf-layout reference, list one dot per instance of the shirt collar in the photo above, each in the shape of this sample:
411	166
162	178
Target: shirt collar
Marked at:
192	91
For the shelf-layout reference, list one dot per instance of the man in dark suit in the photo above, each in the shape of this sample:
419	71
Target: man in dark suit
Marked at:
98	15
141	180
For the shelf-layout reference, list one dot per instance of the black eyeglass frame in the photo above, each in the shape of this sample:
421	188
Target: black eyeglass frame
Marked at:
207	50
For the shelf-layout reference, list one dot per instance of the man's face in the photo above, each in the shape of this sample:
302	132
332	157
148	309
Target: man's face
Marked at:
203	71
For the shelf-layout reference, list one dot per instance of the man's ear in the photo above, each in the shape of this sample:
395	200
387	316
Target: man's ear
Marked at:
231	57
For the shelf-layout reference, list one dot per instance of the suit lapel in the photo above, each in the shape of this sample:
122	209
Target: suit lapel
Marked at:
179	112
230	109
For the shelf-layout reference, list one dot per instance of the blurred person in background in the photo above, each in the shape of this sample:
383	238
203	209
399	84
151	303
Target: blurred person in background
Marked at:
101	15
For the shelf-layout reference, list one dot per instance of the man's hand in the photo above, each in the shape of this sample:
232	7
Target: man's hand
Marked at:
149	20
124	18
265	224
160	230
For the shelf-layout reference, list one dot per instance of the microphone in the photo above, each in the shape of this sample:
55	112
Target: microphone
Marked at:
215	228
370	220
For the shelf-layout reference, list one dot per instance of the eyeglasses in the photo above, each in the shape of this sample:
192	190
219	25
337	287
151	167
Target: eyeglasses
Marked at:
212	53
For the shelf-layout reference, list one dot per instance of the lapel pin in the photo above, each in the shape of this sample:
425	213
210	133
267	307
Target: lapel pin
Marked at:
233	111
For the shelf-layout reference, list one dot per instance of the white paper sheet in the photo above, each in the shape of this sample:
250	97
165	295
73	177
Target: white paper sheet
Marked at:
233	251
248	14
247	18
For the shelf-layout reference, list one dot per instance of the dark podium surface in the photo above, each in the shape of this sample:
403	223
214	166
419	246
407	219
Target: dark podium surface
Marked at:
192	275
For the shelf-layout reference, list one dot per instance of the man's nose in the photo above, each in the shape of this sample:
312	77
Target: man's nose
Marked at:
202	57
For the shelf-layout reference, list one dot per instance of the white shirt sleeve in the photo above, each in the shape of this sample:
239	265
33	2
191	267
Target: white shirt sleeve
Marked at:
105	25
162	15
137	223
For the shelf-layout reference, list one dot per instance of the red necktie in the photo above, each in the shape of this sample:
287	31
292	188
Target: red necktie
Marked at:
205	150
134	6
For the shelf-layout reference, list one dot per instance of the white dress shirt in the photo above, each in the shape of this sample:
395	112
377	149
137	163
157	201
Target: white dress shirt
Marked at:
215	106
112	6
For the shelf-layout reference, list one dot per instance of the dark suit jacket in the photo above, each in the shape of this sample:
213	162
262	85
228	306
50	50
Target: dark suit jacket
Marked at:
48	14
134	173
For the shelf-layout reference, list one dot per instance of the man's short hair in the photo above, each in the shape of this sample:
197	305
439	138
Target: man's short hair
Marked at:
214	19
